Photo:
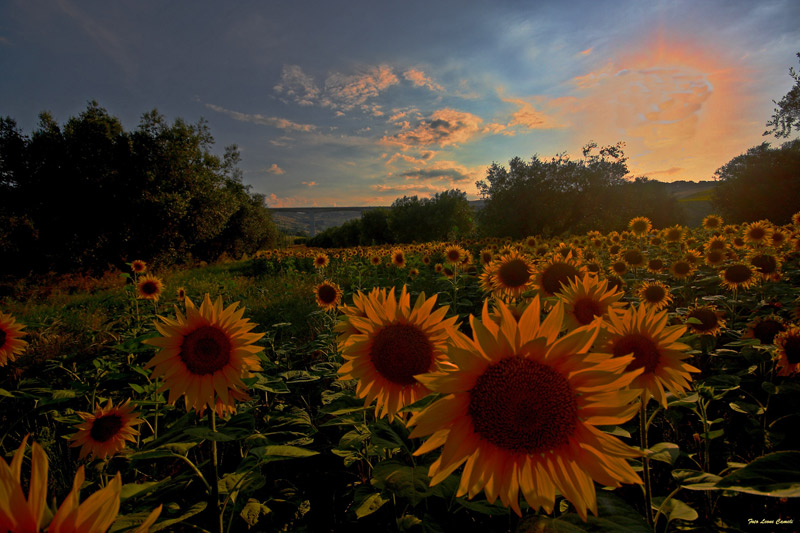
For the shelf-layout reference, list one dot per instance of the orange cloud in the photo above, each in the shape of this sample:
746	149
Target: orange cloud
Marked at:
419	79
444	127
309	183
275	169
348	91
586	52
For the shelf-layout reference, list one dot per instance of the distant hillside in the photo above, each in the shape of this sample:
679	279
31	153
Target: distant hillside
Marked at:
694	196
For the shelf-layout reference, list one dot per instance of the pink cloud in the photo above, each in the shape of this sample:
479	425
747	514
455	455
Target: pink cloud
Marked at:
349	91
419	79
444	127
275	169
586	52
309	183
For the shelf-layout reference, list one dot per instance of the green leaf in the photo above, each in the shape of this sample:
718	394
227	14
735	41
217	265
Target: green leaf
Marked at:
775	474
404	481
253	511
136	388
197	508
207	434
4	392
666	452
407	521
371	504
62	394
614	516
675	509
746	408
132	490
695	479
277	453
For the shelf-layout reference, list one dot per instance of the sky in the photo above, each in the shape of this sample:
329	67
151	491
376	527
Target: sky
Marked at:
357	103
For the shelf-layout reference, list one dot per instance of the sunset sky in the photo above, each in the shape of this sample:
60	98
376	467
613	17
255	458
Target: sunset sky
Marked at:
359	102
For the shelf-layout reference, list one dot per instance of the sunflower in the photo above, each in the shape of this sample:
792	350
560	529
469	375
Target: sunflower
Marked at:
655	265
448	272
586	299
486	256
390	345
715	257
24	515
413	272
681	269
11	343
765	329
438	268
565	250
654	294
426	260
104	433
616	282
766	264
640	225
704	320
788	354
321	260
205	354
138	266
712	222
758	233
674	234
738	276
553	275
511	275
643	332
358	310
180	293
454	254
328	295
718	242
633	258
521	411
618	268
149	287
796	219
778	238
398	258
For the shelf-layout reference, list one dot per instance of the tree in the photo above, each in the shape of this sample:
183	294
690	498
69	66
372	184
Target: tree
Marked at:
375	227
763	183
787	115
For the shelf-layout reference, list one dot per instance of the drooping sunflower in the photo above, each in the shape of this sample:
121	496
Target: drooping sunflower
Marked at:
640	225
149	287
712	222
328	295
105	432
765	328
511	275
26	515
738	276
391	344
704	320
587	299
11	343
321	260
654	294
205	354
138	266
644	333
521	411
553	275
788	354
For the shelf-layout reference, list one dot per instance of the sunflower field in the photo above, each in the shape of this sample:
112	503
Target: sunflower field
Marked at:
634	381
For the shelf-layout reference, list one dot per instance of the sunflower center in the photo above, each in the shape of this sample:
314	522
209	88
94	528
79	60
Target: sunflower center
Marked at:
682	268
738	273
327	294
655	264
149	288
645	352
766	330
654	294
514	273
715	256
757	233
619	267
557	274
2	338
764	263
792	348
585	309
206	350
523	406
639	226
401	351
707	317
105	427
633	257
674	235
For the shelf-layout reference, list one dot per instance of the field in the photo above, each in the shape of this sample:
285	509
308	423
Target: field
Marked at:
636	381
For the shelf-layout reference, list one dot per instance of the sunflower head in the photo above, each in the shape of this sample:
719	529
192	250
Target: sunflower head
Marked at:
520	409
765	328
654	294
758	233
398	258
511	275
788	354
553	275
681	269
655	265
328	295
138	266
767	265
704	320
587	299
105	432
738	276
321	260
715	257
205	354
11	343
712	222
149	287
454	254
640	225
180	293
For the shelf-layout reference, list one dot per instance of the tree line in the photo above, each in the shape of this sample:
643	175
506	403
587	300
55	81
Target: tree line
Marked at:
87	195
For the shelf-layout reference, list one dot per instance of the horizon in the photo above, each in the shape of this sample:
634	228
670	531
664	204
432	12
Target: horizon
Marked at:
359	104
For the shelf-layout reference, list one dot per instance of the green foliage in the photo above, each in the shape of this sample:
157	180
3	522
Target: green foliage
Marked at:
89	194
760	184
564	195
786	115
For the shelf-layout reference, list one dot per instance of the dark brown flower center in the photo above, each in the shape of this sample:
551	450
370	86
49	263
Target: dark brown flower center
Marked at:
619	267
765	330
674	235
326	293
557	274
644	350
523	406
105	427
707	317
614	249
792	348
757	233
639	226
738	273
401	351
2	339
149	288
681	268
454	256
765	263
586	309
654	294
513	273
655	264
633	257
206	350
715	256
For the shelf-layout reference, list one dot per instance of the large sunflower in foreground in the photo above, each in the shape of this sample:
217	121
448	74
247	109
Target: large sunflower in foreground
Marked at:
587	299
521	409
27	515
643	332
205	354
11	343
104	433
392	343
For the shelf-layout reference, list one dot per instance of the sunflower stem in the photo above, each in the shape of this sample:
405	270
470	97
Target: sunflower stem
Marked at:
214	493
648	495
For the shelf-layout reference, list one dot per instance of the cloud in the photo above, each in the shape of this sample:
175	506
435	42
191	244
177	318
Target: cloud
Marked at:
586	52
282	141
346	92
275	169
406	188
424	157
670	171
450	174
419	79
280	123
297	85
309	183
528	116
444	127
